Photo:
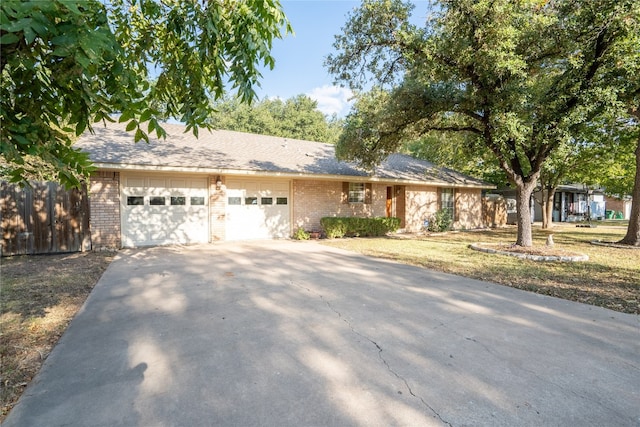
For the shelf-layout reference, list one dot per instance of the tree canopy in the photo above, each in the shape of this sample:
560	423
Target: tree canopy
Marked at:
517	77
68	64
297	117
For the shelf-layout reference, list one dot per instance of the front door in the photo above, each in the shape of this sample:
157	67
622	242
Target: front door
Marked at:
399	197
389	208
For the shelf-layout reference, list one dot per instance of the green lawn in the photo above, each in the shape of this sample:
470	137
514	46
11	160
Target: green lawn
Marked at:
611	277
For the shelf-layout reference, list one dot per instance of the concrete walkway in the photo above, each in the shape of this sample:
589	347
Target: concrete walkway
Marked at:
299	334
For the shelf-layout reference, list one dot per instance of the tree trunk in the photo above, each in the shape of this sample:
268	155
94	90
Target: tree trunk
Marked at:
547	207
633	231
523	205
550	208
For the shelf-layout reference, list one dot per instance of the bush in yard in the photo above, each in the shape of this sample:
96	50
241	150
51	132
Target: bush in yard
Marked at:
334	226
356	226
300	234
440	221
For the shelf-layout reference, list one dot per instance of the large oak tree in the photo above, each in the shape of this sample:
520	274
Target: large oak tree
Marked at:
632	237
517	76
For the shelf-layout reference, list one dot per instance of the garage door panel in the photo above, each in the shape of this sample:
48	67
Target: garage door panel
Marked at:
277	222
157	227
198	184
252	187
177	184
157	183
135	182
276	187
135	217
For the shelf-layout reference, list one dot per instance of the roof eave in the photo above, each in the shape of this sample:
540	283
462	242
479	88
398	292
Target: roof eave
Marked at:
275	174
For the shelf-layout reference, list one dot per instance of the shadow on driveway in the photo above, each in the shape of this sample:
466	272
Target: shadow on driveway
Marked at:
297	333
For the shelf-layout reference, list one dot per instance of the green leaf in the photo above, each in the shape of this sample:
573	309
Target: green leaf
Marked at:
146	115
29	35
17	26
62	51
20	139
83	60
140	135
64	40
9	38
80	127
152	126
126	115
131	126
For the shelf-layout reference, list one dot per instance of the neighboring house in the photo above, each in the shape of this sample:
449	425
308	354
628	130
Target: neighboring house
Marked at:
576	202
571	202
234	186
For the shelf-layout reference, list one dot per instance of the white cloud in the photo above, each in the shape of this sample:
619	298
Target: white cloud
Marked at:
332	99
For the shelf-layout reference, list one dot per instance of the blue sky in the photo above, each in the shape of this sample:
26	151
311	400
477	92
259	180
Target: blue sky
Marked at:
299	58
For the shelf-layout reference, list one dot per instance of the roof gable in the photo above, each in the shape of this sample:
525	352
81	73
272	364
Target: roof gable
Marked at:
111	146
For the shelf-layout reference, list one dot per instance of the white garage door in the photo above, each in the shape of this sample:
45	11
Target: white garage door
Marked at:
160	210
257	209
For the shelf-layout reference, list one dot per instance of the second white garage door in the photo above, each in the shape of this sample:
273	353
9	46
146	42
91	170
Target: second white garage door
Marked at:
257	209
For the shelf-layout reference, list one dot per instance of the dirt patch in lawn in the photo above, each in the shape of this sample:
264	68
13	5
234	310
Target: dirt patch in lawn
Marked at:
535	253
534	250
40	295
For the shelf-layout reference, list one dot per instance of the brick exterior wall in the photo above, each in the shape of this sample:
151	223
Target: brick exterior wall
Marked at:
468	208
613	204
217	209
316	199
104	205
421	203
313	200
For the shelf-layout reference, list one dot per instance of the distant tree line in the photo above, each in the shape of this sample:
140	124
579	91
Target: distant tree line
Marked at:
297	117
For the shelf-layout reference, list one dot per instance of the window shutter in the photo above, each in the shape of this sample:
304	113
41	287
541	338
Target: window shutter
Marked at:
367	193
344	198
439	196
456	209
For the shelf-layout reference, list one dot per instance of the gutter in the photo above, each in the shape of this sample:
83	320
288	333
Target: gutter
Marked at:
274	174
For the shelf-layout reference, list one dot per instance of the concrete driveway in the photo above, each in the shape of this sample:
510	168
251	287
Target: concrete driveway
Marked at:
299	334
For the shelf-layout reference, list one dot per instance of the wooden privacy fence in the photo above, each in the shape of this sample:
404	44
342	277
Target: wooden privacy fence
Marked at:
43	219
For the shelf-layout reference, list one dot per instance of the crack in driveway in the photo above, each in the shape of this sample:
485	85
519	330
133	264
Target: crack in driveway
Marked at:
379	348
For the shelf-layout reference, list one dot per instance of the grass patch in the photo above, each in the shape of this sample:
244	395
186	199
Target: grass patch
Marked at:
611	277
40	295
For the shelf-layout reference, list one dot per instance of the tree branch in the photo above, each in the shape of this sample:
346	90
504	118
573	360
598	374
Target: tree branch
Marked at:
454	129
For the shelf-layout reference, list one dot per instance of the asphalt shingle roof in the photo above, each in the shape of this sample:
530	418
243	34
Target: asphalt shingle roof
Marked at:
111	146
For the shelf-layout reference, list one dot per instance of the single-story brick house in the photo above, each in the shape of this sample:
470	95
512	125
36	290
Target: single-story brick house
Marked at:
228	185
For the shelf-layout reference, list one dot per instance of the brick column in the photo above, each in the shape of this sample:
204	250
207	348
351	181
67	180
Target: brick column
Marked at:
104	205
217	209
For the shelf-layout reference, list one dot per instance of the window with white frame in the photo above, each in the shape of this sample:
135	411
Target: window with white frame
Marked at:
447	201
356	192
